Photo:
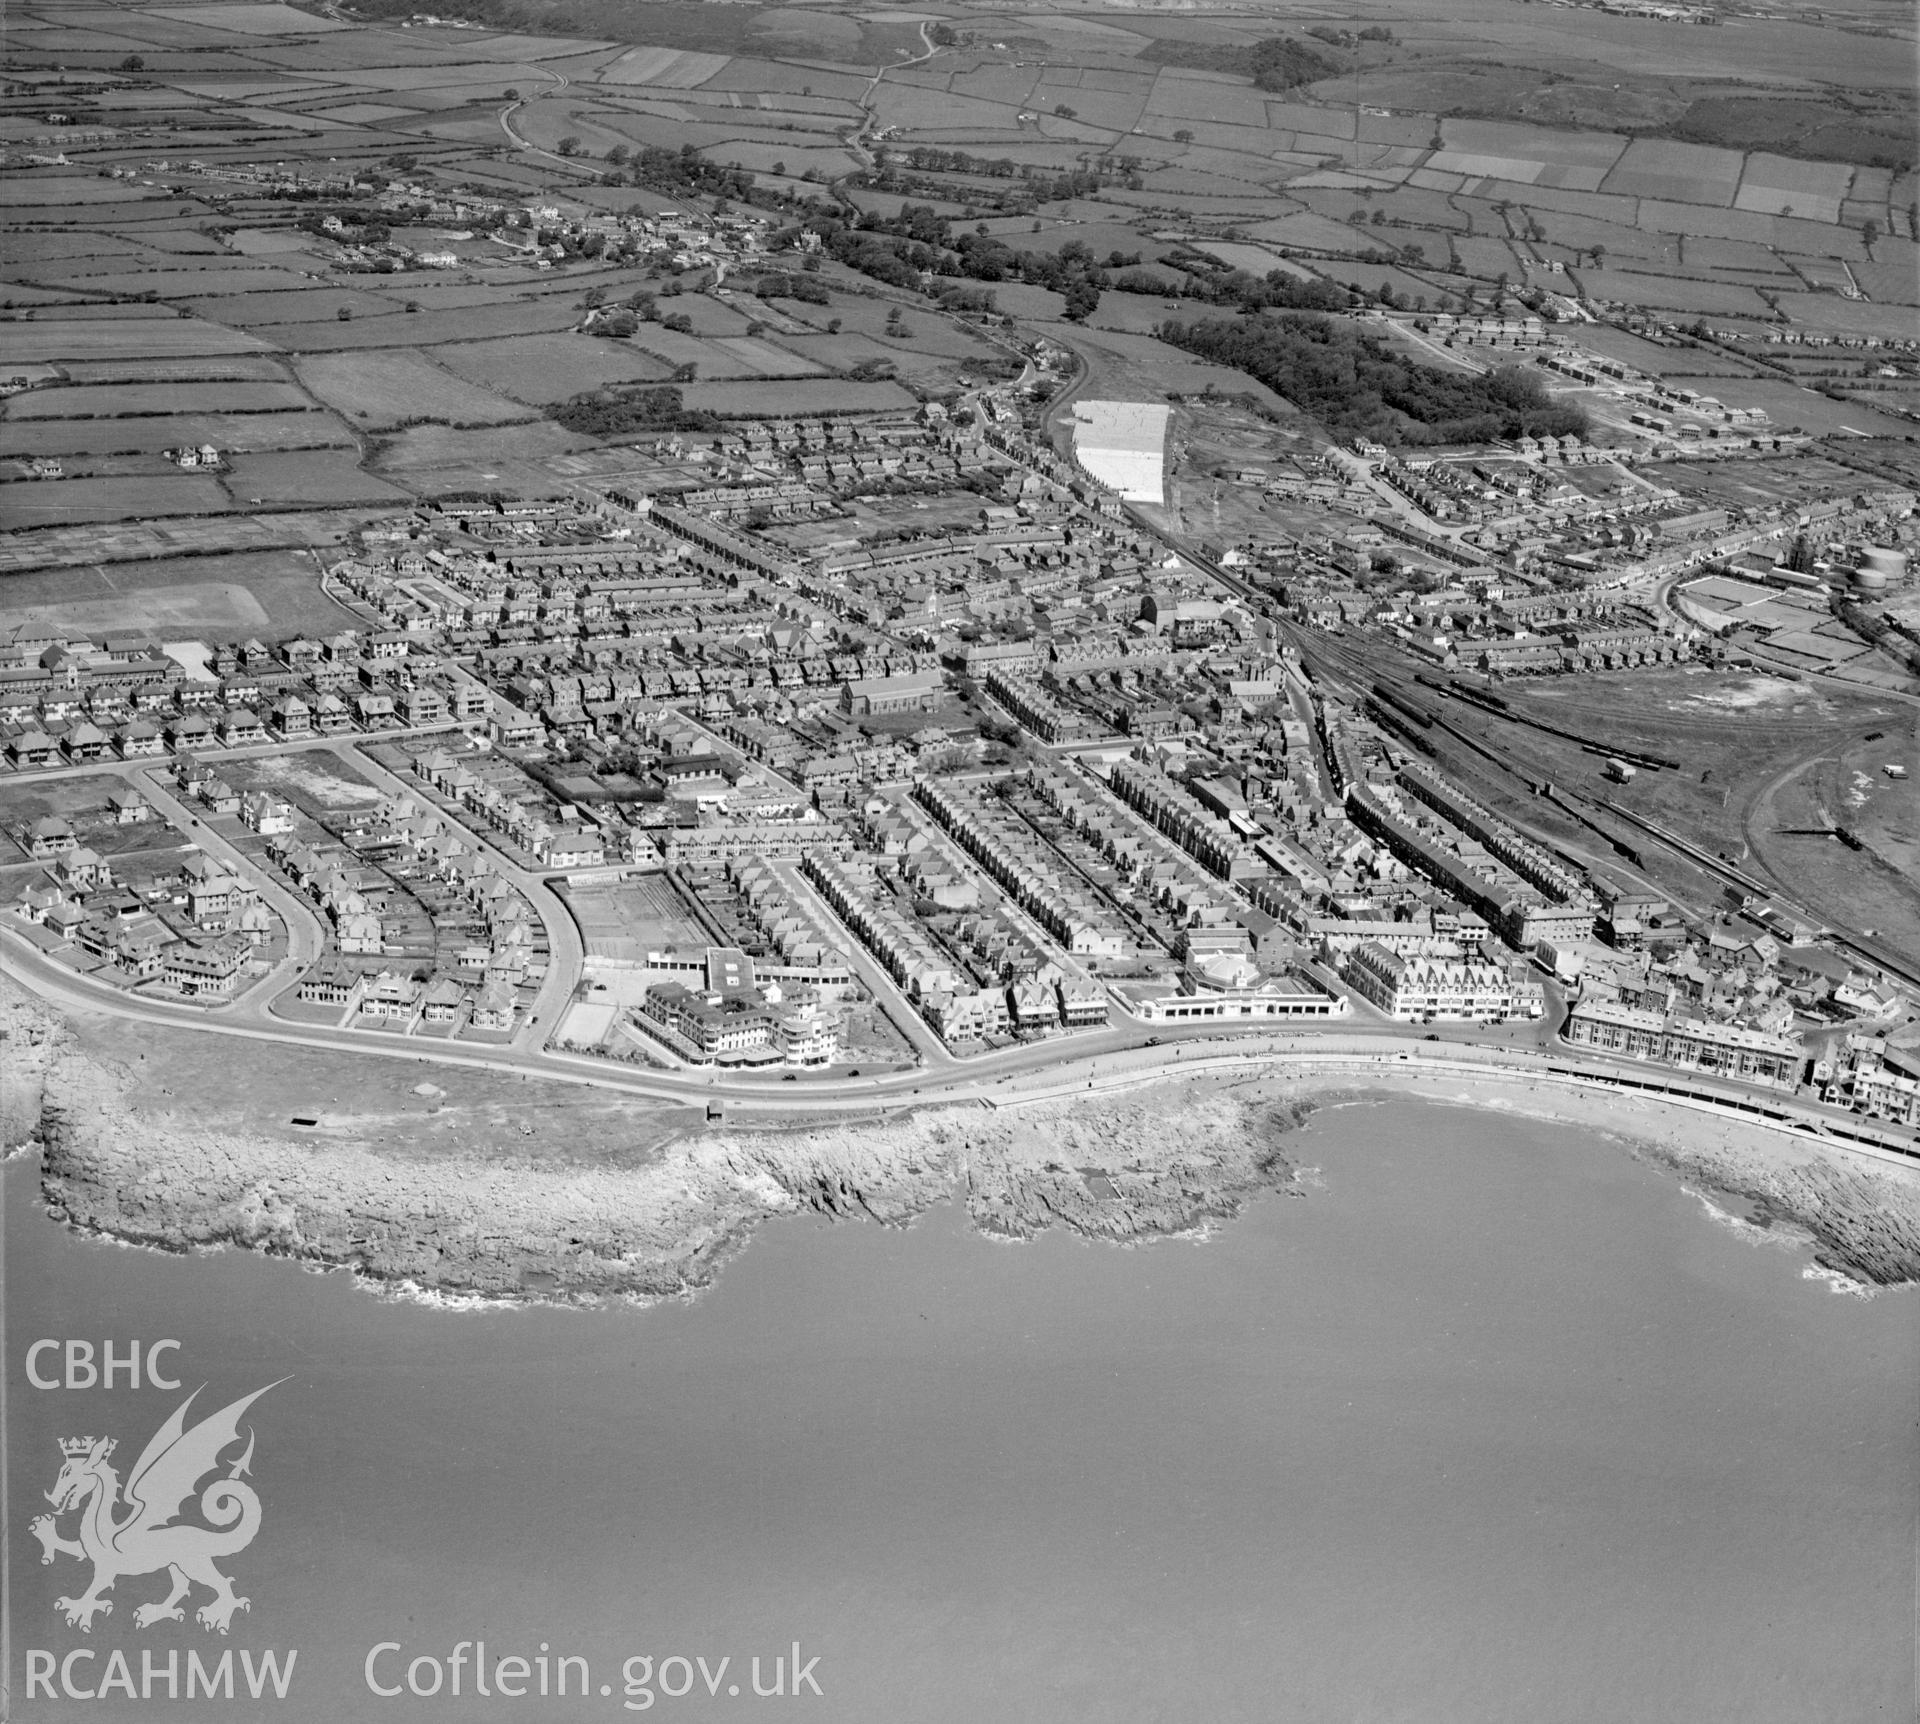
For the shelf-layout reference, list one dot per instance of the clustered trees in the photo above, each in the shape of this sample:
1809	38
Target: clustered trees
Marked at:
1273	63
676	173
785	284
618	412
919	251
1023	186
1358	386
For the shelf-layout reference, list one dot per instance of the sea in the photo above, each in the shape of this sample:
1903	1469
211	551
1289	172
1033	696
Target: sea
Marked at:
1495	1422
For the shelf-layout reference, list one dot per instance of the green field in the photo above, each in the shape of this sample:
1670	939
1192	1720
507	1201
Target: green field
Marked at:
1736	173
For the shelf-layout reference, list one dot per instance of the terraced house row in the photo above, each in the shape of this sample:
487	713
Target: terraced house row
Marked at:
1459	864
1532	862
1205	837
957	1010
1154	867
1021	866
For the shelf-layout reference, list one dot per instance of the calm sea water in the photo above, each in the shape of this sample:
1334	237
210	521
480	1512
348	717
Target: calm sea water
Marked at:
1497	1425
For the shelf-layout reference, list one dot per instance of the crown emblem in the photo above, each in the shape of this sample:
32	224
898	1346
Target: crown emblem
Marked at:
149	1537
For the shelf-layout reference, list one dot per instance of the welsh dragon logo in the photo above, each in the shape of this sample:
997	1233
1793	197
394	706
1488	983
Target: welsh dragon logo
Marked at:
143	1537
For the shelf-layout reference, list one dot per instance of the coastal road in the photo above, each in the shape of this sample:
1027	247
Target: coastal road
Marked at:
1075	1069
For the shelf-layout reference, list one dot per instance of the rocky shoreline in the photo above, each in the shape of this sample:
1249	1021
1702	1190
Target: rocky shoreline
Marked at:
1127	1169
1167	1159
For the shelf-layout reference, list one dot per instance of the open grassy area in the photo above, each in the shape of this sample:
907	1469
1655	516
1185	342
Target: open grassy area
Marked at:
404	1104
274	594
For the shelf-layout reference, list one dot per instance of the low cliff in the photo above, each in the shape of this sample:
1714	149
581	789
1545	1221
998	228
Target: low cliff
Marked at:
1119	1168
445	1212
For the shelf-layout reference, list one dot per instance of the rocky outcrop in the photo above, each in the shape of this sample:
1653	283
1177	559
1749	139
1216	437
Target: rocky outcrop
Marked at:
1173	1158
1121	1168
1863	1223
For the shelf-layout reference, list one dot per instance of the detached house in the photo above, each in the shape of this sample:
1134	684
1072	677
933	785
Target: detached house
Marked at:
266	814
50	836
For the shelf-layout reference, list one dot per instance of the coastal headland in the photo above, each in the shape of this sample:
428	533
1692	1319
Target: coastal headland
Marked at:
431	1192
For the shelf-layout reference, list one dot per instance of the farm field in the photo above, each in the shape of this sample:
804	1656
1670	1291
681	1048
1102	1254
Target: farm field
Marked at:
1788	404
196	271
274	478
798	396
101	338
151	434
394	387
120	400
109	499
544	368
